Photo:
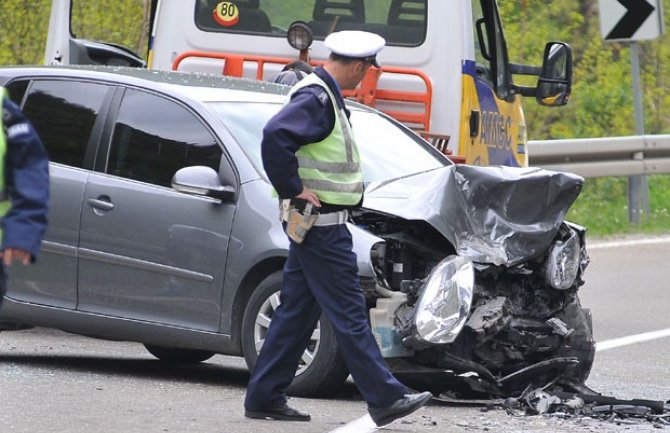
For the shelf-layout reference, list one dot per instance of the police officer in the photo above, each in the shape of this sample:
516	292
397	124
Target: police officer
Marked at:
310	156
24	188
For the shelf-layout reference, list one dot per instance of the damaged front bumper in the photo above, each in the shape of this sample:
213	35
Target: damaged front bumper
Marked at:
475	274
498	330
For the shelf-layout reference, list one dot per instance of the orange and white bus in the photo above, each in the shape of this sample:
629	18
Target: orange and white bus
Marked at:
445	69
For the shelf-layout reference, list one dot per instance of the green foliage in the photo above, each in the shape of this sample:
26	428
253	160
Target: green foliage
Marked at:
123	22
603	207
23	26
602	102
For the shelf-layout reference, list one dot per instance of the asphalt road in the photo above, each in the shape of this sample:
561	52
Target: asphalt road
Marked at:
55	382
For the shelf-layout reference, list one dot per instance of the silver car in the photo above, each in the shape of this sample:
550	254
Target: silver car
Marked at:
163	231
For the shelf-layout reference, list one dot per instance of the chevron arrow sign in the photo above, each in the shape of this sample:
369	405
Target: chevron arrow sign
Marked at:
630	20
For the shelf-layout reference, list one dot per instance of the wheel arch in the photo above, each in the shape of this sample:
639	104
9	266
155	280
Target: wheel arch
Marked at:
251	280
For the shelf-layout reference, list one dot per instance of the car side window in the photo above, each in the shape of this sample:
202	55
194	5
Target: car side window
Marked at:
154	137
16	90
63	114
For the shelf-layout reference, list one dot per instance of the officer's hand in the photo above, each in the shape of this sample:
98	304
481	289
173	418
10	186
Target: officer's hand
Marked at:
10	255
310	196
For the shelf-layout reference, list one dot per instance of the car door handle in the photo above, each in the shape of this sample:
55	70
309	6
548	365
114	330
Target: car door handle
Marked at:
100	204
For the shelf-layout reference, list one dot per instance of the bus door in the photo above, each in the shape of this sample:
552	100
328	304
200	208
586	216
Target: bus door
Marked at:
493	130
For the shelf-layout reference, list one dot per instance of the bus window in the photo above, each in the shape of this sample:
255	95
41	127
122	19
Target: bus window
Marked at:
491	56
89	22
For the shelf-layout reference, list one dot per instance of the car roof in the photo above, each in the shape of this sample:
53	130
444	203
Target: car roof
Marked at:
194	85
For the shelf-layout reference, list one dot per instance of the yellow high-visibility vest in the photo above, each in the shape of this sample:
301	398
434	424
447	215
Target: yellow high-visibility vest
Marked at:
331	168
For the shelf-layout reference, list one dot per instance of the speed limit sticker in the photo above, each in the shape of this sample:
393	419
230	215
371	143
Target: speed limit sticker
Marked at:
227	14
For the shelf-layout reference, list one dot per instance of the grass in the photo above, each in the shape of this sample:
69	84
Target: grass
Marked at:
602	207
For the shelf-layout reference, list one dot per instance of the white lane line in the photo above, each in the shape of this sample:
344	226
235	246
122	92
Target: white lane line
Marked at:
631	339
363	424
626	243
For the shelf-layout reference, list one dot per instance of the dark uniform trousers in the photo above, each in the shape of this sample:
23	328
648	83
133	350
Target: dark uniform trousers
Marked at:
321	274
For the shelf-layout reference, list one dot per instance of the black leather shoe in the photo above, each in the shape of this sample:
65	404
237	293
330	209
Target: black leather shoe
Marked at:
399	408
284	413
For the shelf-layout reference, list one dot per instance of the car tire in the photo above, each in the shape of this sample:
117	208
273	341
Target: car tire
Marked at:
179	356
324	374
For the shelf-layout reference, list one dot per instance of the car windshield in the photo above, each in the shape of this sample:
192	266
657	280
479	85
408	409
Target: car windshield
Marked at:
387	150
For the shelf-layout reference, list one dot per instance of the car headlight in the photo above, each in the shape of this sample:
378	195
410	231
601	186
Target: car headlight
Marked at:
444	301
562	265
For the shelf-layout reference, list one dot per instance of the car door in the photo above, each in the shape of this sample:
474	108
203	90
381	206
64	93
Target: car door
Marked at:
148	252
68	116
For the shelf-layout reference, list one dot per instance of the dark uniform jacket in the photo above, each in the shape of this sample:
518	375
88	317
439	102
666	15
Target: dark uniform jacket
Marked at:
307	118
26	181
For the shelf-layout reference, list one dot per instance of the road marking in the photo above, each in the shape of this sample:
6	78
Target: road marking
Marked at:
363	424
631	339
627	243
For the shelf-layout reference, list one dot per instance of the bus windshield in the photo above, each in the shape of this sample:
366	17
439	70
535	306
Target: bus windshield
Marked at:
399	22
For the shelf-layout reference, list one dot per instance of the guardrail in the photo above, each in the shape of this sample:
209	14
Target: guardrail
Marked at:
601	157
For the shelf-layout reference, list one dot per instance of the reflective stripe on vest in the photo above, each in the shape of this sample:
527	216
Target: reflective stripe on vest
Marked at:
331	168
4	203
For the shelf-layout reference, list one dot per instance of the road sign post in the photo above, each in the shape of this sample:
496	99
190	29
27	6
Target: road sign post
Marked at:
632	21
638	186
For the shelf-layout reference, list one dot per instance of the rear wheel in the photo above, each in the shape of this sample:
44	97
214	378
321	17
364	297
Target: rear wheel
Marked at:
181	356
321	371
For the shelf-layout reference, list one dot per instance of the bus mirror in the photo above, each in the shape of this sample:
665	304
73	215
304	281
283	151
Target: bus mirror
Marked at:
555	83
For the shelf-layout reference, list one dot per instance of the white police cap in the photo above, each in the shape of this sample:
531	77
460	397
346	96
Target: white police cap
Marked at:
356	44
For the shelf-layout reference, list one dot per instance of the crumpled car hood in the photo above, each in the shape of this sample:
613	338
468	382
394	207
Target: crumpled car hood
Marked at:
497	215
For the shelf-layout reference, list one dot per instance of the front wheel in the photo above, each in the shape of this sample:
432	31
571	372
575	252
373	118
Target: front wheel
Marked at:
321	371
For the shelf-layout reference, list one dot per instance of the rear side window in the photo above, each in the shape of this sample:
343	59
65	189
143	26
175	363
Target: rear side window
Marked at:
400	22
154	137
17	90
63	114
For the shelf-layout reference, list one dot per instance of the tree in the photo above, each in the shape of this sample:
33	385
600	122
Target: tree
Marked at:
125	23
602	99
23	26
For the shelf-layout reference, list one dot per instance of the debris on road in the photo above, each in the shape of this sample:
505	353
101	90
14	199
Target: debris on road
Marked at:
555	401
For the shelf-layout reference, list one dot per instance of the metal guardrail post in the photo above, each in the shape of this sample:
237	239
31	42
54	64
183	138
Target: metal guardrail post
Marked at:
638	186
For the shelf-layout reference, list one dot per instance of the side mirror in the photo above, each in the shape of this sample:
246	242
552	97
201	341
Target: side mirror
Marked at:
85	52
555	83
201	180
